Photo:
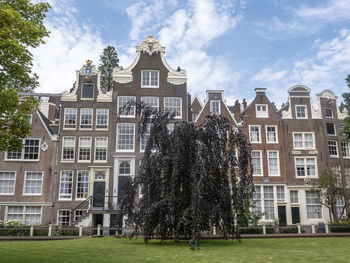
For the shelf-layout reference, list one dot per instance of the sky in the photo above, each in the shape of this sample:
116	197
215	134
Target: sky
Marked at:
230	45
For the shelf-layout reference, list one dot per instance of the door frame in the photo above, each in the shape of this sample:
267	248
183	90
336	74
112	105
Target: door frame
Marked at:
93	179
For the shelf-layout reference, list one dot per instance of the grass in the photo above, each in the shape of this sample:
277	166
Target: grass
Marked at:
123	251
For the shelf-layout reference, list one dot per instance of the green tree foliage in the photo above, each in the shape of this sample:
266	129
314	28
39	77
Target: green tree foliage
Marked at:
191	179
331	186
109	60
346	105
21	28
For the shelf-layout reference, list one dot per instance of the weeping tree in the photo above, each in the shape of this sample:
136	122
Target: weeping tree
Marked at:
191	179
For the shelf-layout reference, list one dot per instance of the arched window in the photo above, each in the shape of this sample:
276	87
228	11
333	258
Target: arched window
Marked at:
124	167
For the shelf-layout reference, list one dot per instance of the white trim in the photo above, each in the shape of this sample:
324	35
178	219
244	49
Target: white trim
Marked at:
59	188
305	167
211	106
263	116
149	78
92	119
69	215
296	114
335	129
24	205
303	140
25	179
336	146
326	114
64	118
27	203
22	154
131	98
93	91
70	160
261	164
76	185
276	130
102	129
101	161
117	139
278	163
179	97
84	161
249	126
14	185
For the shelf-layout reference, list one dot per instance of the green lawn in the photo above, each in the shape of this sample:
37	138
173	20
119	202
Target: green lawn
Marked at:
122	251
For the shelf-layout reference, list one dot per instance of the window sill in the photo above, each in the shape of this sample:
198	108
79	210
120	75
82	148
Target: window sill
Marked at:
20	160
69	129
67	161
32	194
150	87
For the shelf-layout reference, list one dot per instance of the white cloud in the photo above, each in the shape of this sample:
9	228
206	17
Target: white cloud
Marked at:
66	50
267	76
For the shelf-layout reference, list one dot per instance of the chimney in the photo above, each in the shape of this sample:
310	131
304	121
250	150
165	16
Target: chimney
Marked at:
244	104
260	90
237	110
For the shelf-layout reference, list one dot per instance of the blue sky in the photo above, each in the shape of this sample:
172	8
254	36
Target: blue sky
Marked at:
232	45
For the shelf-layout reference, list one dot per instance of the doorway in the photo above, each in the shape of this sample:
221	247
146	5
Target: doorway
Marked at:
295	215
282	217
99	194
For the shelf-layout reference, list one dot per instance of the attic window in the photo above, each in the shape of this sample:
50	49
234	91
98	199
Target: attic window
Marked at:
87	91
215	106
261	111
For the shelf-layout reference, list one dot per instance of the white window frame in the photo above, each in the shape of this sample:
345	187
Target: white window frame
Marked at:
305	167
68	160
99	109
313	204
24	212
79	146
334	127
149	79
151	97
303	140
76	217
149	127
25	183
129	98
261	114
175	117
14	184
325	114
212	106
297	196
95	148
131	161
58	216
93	91
278	163
296	112
336	146
76	187
59	190
92	119
261	164
347	149
76	118
23	152
276	132
250	134
117	139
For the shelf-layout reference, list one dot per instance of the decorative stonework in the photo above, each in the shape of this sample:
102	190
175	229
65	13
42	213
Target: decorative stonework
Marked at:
44	147
342	115
287	114
327	94
88	68
150	45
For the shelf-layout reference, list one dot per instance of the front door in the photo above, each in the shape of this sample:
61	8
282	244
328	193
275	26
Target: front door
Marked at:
295	215
282	218
99	194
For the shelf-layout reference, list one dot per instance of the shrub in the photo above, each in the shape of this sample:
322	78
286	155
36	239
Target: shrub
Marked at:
250	230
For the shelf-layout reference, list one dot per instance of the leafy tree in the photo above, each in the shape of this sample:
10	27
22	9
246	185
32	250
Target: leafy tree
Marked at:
21	28
109	60
191	179
346	105
330	187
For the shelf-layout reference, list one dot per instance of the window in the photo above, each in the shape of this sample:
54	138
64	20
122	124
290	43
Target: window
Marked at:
152	102
63	217
261	111
347	175
294	199
101	148
83	184
280	193
215	106
68	147
102	118
341	128
145	138
254	134
125	171
257	163
7	183
194	116
150	79
125	136
337	172
333	149
271	134
330	128
84	148
273	163
340	207
173	105
256	209
86	118
303	140
329	113
66	183
70	118
313	205
79	213
345	149
301	112
268	203
305	167
125	111
28	215
87	91
33	183
30	151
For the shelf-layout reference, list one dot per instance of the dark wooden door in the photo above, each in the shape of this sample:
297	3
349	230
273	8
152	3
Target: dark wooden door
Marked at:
99	194
295	215
282	217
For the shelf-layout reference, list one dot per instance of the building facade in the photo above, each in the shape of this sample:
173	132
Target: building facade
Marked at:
83	146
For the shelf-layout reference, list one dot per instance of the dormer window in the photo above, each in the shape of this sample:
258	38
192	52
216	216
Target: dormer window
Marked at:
87	91
300	112
261	111
149	79
215	106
